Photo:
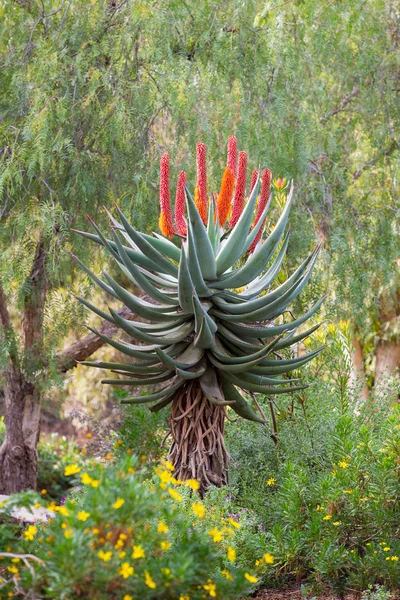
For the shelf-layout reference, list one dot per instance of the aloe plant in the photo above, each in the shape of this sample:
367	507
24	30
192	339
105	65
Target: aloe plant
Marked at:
213	322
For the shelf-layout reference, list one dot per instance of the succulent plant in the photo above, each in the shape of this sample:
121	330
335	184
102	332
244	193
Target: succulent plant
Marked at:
213	321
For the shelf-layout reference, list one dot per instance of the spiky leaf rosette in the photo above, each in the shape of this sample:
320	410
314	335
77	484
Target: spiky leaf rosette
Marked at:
203	342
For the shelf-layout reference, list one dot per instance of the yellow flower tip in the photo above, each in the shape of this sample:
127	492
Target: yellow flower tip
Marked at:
268	558
193	484
234	523
250	578
231	554
271	481
149	581
225	195
82	515
198	510
165	225
118	503
126	570
162	527
71	470
106	556
138	552
175	495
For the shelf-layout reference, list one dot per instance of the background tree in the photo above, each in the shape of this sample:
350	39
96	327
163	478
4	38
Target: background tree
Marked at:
92	92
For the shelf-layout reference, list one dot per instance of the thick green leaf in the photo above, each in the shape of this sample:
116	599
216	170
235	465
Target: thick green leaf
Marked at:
253	387
189	358
240	406
164	393
185	285
210	388
204	249
194	266
178	334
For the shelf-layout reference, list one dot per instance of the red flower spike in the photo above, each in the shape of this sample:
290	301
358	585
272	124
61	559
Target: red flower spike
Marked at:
165	221
199	205
238	200
180	222
254	176
232	154
225	195
202	181
262	203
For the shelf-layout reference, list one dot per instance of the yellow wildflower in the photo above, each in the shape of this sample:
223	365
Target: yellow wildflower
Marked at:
118	503
319	507
95	483
165	545
394	558
343	464
199	510
71	470
215	534
82	515
271	481
162	527
250	578
231	554
327	517
106	556
193	484
234	523
127	597
175	495
227	575
122	554
211	588
12	569
165	476
68	533
269	559
169	465
126	570
43	491
86	479
337	523
386	549
182	597
30	532
138	552
149	581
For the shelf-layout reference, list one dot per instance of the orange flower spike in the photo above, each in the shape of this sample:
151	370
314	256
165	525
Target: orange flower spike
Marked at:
254	176
238	200
165	221
232	154
262	203
225	195
180	204
201	181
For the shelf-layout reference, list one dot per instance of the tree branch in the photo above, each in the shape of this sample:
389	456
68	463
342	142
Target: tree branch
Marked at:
370	163
346	100
9	334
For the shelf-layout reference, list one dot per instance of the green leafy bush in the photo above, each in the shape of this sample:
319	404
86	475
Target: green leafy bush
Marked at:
122	536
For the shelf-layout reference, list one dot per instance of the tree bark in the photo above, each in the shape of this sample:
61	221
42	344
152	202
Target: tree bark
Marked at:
357	375
387	360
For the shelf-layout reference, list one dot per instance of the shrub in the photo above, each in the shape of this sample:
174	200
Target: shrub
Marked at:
121	536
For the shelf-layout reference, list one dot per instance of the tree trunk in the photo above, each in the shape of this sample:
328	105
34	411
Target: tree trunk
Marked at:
18	454
198	449
387	360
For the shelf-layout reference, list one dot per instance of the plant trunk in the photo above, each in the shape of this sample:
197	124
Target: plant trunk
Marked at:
357	375
18	454
198	449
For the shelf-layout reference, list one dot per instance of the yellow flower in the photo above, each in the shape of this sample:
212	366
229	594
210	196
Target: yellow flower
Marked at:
89	435
227	575
12	569
337	523
106	556
271	481
193	484
231	554
138	552
82	515
68	533
86	479
162	527
394	558
165	476
127	597
149	581
122	554
71	470
169	465
175	495
234	523
182	597
343	464
63	510
327	517
118	503
386	549
215	534
165	545
211	588
43	491
30	532
319	507
95	483
269	559
199	510
126	570
250	578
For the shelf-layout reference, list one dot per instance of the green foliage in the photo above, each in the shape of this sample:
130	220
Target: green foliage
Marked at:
126	537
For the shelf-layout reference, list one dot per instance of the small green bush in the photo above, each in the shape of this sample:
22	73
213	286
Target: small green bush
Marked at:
121	536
